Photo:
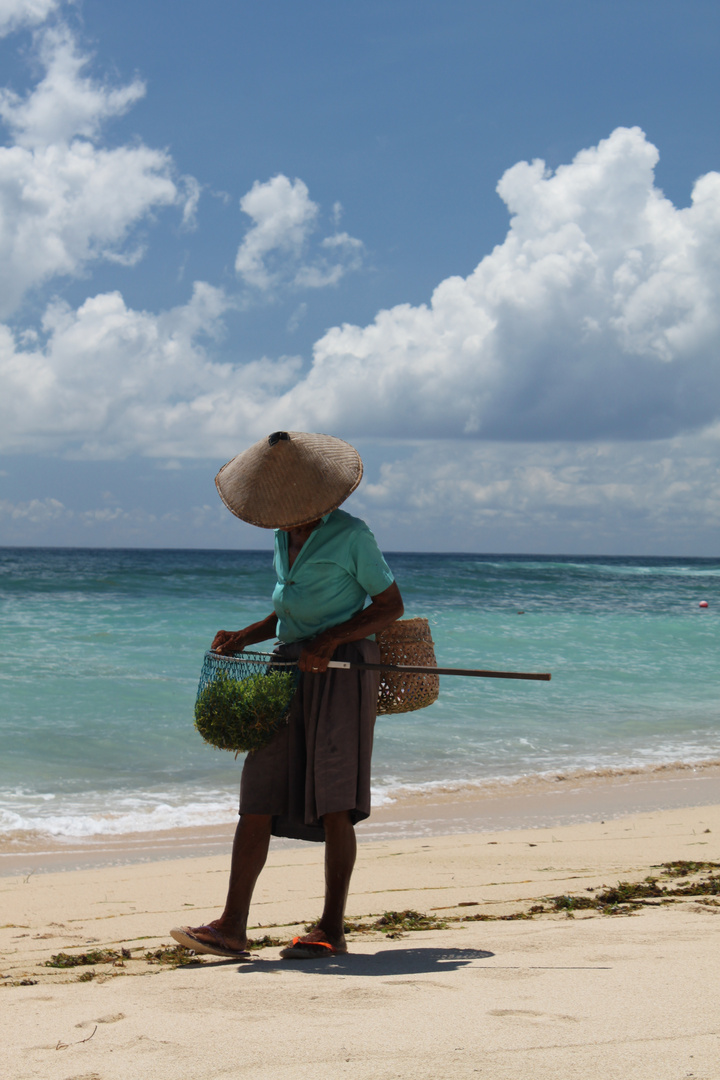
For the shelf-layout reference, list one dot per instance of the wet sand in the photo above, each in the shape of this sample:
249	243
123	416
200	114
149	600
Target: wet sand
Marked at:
534	802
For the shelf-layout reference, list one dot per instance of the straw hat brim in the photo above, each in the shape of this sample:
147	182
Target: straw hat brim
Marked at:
289	479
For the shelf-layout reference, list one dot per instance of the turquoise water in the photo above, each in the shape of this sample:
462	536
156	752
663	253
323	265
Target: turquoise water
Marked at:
100	651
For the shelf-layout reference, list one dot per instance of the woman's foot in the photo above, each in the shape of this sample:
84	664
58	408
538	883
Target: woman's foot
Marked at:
211	939
316	945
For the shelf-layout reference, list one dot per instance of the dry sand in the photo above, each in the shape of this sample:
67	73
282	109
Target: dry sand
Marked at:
594	995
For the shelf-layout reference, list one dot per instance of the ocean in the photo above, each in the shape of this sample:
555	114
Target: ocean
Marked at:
100	652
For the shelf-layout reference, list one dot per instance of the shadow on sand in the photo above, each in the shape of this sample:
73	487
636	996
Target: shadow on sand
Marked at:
385	962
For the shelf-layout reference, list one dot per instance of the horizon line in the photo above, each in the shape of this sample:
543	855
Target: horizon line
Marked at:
388	551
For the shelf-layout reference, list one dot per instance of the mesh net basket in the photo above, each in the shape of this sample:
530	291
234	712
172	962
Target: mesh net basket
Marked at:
243	700
407	641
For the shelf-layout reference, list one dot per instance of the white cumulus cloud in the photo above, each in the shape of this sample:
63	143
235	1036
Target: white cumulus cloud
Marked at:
64	104
275	248
16	13
106	380
65	201
598	316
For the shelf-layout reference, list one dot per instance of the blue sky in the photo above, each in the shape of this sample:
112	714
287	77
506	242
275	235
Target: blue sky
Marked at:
478	240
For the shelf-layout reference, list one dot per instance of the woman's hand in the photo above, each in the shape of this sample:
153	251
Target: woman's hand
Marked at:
382	611
316	653
228	642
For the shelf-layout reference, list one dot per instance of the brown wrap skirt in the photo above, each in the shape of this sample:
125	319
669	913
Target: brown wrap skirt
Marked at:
319	762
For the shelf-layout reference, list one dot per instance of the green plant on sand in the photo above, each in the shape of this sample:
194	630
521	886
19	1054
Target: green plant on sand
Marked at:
93	956
170	956
244	714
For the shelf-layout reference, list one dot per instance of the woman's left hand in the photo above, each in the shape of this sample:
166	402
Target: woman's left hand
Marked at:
382	611
316	653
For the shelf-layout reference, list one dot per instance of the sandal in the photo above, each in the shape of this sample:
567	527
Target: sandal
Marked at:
217	946
313	947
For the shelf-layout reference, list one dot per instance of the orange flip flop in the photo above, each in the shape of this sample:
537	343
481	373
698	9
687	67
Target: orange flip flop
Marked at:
304	949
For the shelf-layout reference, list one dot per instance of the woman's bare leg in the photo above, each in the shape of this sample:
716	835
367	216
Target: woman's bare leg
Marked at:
340	852
250	848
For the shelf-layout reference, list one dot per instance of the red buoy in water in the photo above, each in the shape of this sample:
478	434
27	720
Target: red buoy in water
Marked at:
703	603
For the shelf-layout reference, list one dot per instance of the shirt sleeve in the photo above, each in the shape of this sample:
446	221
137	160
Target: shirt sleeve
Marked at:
371	570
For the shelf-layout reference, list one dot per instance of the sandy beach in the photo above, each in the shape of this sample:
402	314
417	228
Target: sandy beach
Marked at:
515	976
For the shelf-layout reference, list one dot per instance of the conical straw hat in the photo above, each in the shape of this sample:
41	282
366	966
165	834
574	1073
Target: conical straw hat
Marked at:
289	479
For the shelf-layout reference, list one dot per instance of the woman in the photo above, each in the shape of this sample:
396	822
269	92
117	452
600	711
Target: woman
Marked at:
313	781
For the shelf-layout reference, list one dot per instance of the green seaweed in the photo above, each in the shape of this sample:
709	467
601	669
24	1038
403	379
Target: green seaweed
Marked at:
631	895
94	956
173	956
709	886
244	714
393	923
572	903
266	942
684	868
627	892
512	917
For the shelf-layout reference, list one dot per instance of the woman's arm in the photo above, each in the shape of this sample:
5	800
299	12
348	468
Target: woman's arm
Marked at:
383	610
227	642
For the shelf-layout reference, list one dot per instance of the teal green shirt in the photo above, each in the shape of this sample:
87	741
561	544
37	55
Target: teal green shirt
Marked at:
337	568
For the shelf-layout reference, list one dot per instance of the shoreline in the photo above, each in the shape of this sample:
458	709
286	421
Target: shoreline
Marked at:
541	801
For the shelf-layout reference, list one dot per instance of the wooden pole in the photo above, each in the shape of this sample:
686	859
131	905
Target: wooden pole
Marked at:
473	673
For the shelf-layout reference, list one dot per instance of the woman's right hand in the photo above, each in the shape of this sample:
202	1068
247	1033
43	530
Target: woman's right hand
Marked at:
228	642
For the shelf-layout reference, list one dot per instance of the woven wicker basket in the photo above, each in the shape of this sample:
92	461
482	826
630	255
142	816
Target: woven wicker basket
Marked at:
407	641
